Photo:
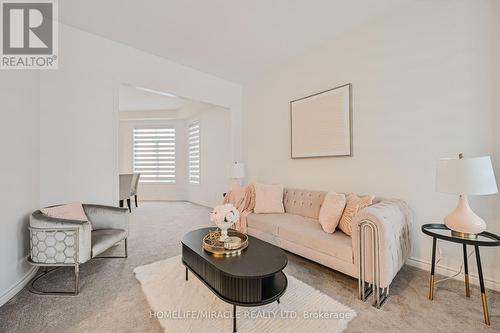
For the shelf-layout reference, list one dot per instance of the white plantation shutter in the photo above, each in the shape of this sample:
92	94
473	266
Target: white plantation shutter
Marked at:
194	168
154	154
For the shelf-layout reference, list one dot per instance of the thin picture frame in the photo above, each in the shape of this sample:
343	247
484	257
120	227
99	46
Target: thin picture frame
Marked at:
348	113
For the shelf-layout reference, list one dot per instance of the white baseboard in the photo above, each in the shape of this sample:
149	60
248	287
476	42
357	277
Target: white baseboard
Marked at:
448	271
12	291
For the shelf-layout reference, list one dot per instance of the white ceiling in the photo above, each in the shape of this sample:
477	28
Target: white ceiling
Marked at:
145	103
233	39
134	99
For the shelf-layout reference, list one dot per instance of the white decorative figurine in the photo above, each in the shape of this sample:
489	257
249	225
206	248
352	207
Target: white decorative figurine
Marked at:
224	216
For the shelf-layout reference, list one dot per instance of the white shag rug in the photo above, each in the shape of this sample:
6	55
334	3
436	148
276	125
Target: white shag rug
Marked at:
189	306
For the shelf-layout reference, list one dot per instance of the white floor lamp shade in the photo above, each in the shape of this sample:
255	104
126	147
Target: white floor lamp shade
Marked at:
238	170
237	173
465	176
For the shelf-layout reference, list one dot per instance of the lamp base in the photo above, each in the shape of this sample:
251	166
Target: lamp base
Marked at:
235	184
464	221
463	235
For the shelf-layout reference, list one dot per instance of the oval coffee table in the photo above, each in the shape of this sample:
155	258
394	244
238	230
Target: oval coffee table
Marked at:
252	278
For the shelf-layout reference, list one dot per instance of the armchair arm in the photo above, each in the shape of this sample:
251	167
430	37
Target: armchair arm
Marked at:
392	218
58	241
107	217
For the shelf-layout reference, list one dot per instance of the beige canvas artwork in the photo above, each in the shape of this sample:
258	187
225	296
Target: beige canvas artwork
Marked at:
321	124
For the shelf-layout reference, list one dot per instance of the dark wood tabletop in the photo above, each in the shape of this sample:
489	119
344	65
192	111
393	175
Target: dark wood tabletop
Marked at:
258	260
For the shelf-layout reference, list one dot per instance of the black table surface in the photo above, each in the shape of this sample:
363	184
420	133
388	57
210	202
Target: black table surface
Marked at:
441	231
259	259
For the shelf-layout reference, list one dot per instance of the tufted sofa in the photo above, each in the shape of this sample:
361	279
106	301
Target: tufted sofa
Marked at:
298	231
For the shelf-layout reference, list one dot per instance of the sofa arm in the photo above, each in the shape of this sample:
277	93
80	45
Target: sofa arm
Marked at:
107	217
393	219
58	241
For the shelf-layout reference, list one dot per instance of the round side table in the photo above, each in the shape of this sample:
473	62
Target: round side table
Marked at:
441	231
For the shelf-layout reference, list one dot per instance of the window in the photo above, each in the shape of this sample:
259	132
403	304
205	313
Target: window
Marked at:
194	152
154	154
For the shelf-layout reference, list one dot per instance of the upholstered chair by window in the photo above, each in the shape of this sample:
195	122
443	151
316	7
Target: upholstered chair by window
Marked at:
135	185
126	184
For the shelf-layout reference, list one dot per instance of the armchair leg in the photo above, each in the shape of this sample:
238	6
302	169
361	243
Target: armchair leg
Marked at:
121	203
77	278
135	197
129	207
34	290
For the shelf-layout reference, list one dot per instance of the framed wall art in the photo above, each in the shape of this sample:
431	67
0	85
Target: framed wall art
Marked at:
321	124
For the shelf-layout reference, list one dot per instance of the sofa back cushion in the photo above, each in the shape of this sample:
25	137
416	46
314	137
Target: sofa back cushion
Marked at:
303	202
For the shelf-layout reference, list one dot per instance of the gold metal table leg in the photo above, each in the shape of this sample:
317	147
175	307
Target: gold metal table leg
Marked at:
485	309
431	288
467	287
433	267
481	284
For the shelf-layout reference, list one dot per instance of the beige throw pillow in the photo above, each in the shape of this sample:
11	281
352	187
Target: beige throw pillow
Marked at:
268	199
353	206
331	211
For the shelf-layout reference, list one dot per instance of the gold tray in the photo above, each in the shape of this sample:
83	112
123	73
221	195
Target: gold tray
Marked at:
217	248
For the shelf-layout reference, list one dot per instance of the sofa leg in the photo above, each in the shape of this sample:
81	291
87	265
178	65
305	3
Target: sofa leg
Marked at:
380	294
382	297
366	292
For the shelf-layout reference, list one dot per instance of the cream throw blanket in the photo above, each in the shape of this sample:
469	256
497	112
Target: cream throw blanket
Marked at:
243	198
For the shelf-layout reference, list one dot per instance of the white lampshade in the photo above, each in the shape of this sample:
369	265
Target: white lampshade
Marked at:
473	176
238	170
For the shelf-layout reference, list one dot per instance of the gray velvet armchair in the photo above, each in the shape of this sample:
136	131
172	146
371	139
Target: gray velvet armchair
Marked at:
59	242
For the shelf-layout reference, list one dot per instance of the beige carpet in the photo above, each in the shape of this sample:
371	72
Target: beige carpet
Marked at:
189	306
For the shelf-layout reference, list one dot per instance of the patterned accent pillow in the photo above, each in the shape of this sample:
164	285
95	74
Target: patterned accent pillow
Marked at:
72	211
353	206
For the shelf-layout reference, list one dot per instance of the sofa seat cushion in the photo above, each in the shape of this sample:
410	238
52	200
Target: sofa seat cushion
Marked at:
270	223
103	239
308	232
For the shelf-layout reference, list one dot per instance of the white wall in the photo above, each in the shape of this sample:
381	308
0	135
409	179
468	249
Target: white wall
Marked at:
20	175
215	132
495	92
79	103
160	191
422	89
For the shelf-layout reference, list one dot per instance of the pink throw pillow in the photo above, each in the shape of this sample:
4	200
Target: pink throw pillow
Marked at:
268	199
331	211
72	211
